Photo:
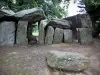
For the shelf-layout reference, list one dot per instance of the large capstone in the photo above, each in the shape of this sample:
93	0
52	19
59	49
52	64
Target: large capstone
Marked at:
31	15
67	36
6	12
85	20
49	35
58	35
69	61
75	22
7	33
80	21
84	35
64	24
21	37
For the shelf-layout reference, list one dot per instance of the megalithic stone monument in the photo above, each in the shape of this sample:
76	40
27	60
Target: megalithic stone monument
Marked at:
76	7
80	19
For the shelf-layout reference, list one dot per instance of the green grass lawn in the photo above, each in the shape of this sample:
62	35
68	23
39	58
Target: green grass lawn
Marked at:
35	33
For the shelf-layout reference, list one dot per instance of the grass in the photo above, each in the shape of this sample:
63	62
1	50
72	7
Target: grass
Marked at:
35	33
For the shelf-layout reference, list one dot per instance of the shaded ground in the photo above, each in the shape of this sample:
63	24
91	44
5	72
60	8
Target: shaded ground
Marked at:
30	60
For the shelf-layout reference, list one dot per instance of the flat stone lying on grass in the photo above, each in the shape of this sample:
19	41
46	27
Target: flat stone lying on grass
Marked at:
69	61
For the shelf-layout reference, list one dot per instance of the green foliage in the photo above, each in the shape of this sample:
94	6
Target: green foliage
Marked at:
93	8
50	7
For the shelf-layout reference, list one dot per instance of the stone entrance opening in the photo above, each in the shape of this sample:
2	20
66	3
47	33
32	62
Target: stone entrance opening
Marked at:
32	33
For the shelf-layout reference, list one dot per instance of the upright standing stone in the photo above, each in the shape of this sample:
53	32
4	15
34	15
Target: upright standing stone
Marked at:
67	36
49	35
22	32
7	33
41	32
58	35
84	35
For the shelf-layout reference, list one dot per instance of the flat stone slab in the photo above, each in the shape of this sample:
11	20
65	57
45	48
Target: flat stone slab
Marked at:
7	33
79	21
85	21
67	36
6	12
31	15
49	35
58	35
69	61
84	35
64	24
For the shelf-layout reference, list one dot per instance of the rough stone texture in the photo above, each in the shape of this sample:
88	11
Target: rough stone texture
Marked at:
31	15
21	37
59	24
49	35
6	12
84	35
79	21
41	32
67	36
67	61
85	21
58	35
7	33
75	23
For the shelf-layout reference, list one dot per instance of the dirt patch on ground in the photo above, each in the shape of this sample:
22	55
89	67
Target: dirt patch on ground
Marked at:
30	60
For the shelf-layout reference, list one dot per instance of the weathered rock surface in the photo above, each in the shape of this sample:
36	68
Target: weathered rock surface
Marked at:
59	24
84	35
7	15
74	21
21	37
79	21
5	12
49	35
58	35
32	15
67	36
67	61
41	33
7	33
85	21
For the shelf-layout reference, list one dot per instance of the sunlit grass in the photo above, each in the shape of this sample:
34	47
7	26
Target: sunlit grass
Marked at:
35	33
